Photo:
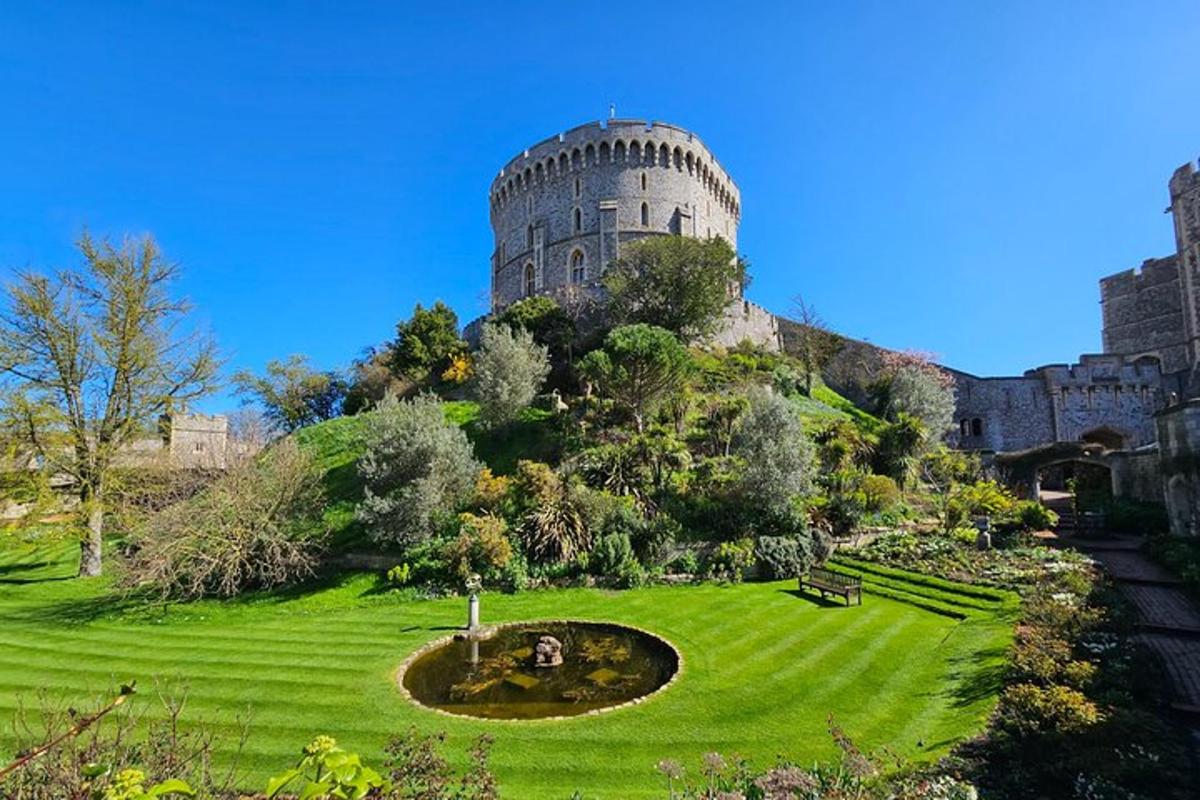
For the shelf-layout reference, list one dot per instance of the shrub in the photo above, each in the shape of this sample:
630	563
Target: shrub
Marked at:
777	454
1030	515
555	530
509	371
611	554
880	492
920	389
481	547
729	560
1029	709
686	563
781	557
257	527
417	468
400	575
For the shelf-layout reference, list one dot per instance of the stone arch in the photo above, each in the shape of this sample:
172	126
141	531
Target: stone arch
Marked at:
551	165
577	266
605	153
539	173
576	159
635	151
619	152
690	161
589	155
645	216
528	177
564	163
677	154
664	155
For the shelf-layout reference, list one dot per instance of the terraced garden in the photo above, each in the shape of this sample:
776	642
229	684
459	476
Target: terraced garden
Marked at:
915	668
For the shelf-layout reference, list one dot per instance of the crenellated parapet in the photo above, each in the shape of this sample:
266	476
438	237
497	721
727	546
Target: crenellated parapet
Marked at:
562	209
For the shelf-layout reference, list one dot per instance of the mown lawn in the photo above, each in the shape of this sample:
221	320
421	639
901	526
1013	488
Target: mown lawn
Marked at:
764	669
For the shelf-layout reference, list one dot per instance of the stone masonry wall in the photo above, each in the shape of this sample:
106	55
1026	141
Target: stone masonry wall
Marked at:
1179	451
1185	211
561	210
1143	313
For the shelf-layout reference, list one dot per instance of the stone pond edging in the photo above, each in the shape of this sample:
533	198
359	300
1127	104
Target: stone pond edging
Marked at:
491	630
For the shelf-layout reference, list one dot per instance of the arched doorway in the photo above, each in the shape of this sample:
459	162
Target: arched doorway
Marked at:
1088	480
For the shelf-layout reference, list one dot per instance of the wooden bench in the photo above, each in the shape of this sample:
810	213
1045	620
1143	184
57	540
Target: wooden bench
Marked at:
827	581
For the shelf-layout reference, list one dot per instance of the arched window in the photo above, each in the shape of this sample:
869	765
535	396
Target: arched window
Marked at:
529	237
578	270
530	280
643	181
645	215
578	220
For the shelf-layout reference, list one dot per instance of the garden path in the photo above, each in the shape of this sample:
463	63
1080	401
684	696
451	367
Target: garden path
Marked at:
1168	618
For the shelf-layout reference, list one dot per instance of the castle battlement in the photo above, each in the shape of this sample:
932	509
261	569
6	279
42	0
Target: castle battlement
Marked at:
623	142
1185	179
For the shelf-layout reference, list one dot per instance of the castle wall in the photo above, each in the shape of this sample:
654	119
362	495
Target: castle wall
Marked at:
745	321
1001	414
561	210
198	441
1137	475
1179	448
1185	211
1143	313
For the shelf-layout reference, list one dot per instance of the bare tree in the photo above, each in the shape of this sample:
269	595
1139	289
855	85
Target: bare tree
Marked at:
92	356
816	344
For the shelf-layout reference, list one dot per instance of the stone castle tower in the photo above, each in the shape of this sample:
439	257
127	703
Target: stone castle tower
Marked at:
562	209
1152	313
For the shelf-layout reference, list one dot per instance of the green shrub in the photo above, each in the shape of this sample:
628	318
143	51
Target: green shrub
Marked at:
1030	515
729	560
780	557
399	575
880	492
686	563
610	554
481	547
1029	709
417	469
1132	516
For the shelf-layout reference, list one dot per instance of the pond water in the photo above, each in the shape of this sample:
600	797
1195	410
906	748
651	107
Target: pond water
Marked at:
601	665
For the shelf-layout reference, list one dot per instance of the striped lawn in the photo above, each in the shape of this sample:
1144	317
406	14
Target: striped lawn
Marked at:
763	670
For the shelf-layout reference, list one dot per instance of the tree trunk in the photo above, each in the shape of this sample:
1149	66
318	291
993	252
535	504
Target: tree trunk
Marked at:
91	543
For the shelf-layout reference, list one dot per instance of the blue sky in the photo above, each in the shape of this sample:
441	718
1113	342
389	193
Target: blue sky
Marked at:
952	177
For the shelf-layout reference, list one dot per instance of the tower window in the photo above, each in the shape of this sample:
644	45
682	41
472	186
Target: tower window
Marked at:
578	220
578	187
645	215
643	181
977	427
529	237
578	270
530	280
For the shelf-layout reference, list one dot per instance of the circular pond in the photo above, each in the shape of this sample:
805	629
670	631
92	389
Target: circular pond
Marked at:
540	669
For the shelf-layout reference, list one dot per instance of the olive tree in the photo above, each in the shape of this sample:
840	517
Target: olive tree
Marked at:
777	453
917	387
638	367
417	468
509	370
93	355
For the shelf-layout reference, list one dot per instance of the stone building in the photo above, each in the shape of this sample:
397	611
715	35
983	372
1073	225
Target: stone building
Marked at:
562	210
1153	312
1135	409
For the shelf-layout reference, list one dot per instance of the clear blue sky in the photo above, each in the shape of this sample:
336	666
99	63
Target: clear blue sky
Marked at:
952	177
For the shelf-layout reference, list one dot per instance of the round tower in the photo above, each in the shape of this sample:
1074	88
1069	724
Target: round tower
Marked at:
562	210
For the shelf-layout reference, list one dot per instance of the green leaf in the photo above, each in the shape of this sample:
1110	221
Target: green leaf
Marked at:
314	790
173	786
280	781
